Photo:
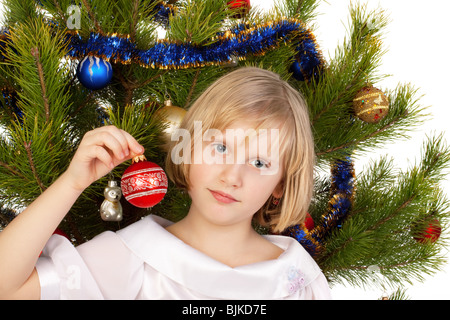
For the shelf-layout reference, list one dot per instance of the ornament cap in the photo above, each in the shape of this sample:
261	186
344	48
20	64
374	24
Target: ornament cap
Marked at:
138	159
168	102
112	183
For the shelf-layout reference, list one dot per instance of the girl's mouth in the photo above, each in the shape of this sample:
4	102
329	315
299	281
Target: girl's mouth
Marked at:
222	196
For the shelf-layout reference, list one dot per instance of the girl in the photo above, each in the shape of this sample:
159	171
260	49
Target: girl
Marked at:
235	168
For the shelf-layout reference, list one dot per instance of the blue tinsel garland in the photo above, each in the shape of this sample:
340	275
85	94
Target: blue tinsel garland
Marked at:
237	42
339	205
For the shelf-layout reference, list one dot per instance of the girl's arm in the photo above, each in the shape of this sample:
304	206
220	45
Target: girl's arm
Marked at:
23	239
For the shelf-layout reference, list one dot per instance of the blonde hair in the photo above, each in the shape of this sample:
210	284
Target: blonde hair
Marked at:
263	97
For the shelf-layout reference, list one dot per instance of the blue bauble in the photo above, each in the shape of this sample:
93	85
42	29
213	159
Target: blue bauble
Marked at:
296	70
94	73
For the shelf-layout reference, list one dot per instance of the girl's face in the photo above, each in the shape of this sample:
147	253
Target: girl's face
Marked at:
240	169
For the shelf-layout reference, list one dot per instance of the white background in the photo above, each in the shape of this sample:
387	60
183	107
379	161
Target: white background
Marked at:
417	40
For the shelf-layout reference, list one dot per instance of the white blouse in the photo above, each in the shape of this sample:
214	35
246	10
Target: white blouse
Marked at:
145	261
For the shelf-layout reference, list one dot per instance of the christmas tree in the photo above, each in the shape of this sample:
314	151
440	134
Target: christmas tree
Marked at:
67	68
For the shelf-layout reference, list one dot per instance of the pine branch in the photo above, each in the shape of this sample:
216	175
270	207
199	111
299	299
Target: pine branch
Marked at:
378	230
134	20
59	11
198	24
412	261
18	12
436	158
299	6
133	85
331	105
149	80
92	15
334	137
191	90
35	54
299	9
82	105
399	294
353	64
364	138
32	166
128	83
138	121
12	170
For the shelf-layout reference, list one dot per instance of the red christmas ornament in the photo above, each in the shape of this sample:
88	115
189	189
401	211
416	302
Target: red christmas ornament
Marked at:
241	7
427	232
309	222
144	183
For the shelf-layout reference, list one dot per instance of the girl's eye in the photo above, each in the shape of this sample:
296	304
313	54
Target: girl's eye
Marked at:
220	148
258	163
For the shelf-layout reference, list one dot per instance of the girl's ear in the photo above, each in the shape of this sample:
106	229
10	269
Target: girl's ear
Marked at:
279	190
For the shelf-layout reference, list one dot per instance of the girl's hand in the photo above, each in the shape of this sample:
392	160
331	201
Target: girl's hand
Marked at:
99	152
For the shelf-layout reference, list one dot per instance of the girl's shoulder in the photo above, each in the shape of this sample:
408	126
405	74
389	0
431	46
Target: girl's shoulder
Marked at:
296	257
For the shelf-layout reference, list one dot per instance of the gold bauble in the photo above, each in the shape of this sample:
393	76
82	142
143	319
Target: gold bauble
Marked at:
371	104
171	116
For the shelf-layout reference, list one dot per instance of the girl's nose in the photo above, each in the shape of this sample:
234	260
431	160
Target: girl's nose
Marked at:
231	175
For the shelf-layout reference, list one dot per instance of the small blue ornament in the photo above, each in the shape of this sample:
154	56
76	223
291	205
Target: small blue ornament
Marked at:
94	73
296	70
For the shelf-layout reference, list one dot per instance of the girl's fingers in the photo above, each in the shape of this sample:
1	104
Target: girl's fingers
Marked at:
99	152
114	143
103	156
133	145
117	141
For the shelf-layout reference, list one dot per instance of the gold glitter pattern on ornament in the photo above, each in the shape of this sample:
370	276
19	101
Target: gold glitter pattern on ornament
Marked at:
371	105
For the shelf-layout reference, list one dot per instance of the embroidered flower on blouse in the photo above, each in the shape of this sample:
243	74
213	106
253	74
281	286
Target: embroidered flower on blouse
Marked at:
296	280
